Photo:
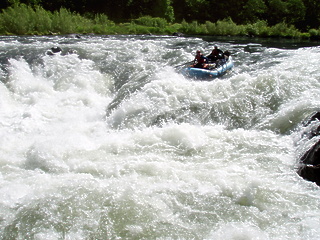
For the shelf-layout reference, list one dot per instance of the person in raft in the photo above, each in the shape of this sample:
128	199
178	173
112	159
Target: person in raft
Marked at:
199	60
215	54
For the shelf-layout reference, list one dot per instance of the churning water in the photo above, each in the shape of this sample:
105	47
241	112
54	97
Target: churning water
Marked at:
107	140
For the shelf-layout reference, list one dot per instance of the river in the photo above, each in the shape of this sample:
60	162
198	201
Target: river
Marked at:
107	140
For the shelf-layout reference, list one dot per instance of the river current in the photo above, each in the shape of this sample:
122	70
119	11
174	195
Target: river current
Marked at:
107	140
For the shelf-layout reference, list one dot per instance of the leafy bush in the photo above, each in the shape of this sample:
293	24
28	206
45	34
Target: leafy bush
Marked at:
314	32
283	30
228	27
42	20
63	21
102	19
151	22
21	19
17	19
259	28
190	28
305	35
224	27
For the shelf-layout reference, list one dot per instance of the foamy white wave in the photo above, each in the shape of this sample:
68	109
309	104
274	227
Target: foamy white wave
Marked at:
114	143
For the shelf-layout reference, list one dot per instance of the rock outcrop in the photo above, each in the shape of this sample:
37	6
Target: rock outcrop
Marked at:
309	167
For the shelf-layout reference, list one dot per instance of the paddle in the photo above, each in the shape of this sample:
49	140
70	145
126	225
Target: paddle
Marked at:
183	64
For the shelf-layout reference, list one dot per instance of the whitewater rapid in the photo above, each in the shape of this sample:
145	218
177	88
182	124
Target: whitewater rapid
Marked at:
107	140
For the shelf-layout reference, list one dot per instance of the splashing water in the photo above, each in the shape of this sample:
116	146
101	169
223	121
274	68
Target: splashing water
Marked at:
110	141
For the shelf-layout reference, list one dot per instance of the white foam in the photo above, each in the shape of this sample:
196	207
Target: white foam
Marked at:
173	159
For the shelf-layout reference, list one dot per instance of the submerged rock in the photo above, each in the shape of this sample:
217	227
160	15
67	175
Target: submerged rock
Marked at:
58	51
178	34
54	50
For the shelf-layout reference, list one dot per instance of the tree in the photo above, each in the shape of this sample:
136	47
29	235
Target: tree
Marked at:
196	10
164	9
296	12
158	8
277	10
253	10
312	17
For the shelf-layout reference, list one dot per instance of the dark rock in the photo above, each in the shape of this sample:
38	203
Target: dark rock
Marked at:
310	173
178	34
56	49
313	117
312	156
309	168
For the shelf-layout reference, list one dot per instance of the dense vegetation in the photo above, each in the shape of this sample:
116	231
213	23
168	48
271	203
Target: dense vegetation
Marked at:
285	18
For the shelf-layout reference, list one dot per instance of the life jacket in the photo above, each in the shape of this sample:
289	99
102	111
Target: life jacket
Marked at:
200	58
216	54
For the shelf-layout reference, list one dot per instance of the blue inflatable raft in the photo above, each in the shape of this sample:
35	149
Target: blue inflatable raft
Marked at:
202	73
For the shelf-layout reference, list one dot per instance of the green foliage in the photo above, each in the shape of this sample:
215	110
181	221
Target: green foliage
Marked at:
169	14
303	14
296	11
305	36
102	19
259	28
193	28
64	22
223	27
228	27
162	9
18	19
196	8
277	9
314	32
253	10
283	30
42	20
22	19
151	22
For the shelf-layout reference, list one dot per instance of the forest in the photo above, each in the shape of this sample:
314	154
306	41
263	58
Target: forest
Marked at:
300	15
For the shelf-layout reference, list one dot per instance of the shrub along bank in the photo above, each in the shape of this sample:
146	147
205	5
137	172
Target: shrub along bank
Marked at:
21	19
